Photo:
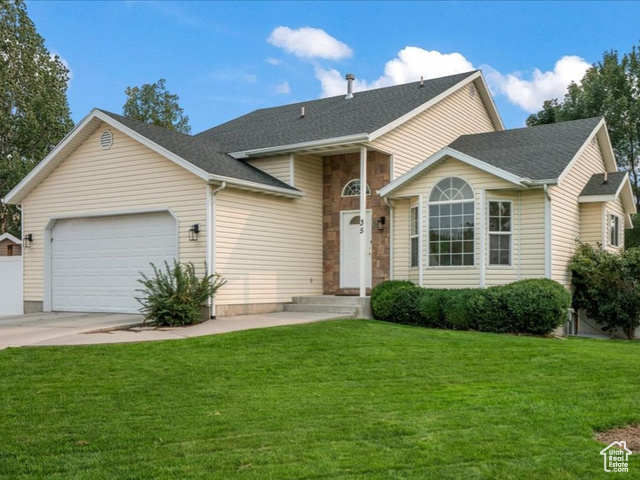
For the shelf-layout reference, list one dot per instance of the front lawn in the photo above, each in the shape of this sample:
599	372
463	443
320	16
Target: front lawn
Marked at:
344	399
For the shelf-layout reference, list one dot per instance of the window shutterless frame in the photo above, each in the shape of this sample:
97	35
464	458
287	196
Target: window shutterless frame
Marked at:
414	236
614	230
500	232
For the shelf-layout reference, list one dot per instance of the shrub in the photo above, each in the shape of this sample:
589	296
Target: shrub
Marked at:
457	308
175	296
607	287
430	308
383	298
406	305
536	306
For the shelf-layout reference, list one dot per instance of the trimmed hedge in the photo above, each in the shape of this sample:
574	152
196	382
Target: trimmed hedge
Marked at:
536	306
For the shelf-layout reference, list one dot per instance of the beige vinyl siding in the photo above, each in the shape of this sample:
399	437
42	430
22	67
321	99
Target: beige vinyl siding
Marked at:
128	177
591	223
565	216
401	242
7	244
279	167
532	232
614	208
270	248
425	134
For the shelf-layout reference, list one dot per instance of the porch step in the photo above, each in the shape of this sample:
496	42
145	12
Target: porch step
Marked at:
353	307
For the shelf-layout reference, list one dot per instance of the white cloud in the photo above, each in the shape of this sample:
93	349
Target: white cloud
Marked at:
273	61
282	89
530	94
307	42
413	62
410	64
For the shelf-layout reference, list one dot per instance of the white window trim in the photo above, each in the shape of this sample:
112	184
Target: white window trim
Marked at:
427	242
610	225
489	233
348	184
415	207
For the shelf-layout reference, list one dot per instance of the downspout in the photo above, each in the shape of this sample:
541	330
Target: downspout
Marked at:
211	237
482	238
519	234
547	233
421	249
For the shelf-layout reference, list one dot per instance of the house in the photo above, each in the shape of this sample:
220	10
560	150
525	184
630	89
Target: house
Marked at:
326	197
10	275
10	246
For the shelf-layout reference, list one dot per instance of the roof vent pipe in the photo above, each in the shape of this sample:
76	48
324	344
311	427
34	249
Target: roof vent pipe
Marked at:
350	78
302	112
421	81
606	177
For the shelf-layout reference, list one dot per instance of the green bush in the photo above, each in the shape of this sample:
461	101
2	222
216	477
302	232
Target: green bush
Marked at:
607	287
175	296
457	308
383	298
536	306
430	308
406	303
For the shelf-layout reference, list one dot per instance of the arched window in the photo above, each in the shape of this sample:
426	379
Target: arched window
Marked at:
352	189
451	223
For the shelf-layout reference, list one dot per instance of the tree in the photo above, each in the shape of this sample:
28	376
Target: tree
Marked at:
34	110
610	88
152	103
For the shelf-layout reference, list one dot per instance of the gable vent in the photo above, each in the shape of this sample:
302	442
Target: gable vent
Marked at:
472	90
106	140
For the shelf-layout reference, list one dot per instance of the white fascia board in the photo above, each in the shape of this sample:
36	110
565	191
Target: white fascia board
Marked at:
493	110
416	111
607	150
437	157
253	186
23	188
596	198
8	236
326	142
153	146
14	196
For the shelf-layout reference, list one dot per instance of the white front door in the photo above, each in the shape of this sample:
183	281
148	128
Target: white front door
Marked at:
350	249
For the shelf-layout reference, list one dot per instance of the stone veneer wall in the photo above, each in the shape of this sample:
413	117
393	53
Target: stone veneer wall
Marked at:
337	171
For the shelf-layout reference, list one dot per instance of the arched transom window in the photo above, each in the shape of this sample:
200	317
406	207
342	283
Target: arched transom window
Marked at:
451	223
352	189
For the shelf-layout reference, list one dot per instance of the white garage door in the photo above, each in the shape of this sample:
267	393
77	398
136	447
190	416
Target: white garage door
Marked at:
95	262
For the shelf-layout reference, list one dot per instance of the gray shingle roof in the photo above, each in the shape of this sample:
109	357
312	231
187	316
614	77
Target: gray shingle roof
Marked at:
596	185
201	152
327	118
537	153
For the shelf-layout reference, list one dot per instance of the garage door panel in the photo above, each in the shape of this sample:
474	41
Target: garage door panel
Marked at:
96	261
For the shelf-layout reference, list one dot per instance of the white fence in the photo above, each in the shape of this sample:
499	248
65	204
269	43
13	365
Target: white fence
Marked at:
11	286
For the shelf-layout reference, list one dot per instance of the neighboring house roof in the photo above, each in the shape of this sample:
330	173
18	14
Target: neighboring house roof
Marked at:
356	119
536	153
11	238
202	153
597	186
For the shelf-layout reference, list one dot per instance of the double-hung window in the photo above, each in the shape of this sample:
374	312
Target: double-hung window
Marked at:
500	233
614	230
415	237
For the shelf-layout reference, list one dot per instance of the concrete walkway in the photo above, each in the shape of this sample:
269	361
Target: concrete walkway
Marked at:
96	328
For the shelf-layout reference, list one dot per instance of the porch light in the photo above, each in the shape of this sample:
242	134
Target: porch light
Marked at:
193	232
26	241
381	223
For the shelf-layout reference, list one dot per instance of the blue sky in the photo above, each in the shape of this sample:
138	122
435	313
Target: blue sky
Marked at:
225	59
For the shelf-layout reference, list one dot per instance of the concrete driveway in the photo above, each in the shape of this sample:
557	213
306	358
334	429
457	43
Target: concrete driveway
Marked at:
45	328
40	329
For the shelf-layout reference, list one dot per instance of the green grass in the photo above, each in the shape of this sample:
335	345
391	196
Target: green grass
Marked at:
346	399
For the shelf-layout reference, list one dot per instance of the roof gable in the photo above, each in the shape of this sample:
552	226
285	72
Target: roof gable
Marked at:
11	238
540	153
200	157
368	114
